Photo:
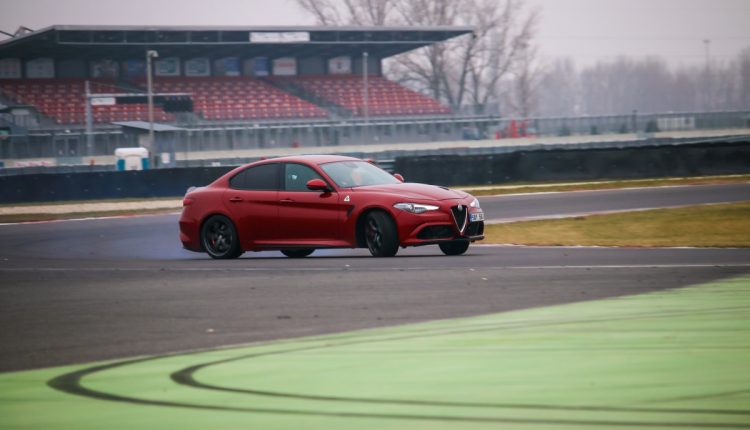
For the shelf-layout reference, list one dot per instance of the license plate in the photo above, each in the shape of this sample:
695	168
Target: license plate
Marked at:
476	216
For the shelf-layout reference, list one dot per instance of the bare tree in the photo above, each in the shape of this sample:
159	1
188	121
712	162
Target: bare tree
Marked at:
744	78
350	12
468	70
463	71
324	11
650	85
523	95
559	89
624	85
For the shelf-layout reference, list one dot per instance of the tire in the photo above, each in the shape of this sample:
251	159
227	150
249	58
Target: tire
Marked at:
297	253
219	238
381	235
457	247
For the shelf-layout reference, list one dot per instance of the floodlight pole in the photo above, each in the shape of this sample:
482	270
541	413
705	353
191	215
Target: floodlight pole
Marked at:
89	121
150	88
366	96
707	47
708	89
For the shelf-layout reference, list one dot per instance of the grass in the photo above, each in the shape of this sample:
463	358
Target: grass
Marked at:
537	187
721	225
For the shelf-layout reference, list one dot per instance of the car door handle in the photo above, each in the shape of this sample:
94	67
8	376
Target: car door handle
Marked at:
287	201
235	199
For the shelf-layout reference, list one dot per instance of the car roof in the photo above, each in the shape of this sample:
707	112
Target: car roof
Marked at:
312	159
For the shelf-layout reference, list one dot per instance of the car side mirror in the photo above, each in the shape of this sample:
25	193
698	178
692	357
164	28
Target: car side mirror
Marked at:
398	176
317	185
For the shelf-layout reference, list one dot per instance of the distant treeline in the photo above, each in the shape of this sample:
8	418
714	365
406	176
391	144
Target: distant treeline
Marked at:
647	85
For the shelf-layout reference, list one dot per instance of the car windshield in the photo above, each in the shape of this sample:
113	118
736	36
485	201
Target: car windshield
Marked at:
347	174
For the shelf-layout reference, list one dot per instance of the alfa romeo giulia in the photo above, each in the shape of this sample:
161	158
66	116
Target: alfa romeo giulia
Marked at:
303	203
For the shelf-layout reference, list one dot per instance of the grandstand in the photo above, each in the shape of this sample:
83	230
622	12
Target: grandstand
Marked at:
227	90
231	74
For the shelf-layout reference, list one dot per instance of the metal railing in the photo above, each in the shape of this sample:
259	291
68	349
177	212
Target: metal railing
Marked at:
67	145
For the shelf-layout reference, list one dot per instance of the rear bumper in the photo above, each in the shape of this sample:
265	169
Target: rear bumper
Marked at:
190	233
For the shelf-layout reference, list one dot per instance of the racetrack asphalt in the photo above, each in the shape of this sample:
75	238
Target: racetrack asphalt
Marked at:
79	291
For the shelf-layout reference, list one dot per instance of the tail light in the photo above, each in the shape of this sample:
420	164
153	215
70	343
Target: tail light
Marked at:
187	201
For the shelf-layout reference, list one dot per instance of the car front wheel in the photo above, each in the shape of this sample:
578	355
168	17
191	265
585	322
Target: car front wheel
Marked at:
381	235
457	247
219	238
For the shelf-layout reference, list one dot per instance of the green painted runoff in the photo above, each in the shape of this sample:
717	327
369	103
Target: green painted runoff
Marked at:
671	359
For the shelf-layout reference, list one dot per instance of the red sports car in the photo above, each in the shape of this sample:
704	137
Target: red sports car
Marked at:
300	204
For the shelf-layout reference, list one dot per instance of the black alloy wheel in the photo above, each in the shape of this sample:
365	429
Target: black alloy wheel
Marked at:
381	235
297	253
456	247
219	238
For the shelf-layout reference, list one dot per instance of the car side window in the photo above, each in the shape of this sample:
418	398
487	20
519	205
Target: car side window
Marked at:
261	178
296	177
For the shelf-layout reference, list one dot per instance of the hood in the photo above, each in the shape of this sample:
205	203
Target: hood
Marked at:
415	191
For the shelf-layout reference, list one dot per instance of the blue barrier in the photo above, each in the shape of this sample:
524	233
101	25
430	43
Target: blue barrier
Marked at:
42	187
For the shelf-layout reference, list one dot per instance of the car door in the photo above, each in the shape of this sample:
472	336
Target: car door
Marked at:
253	199
307	216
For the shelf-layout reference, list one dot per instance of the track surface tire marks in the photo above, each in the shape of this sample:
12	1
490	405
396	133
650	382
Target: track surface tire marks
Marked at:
69	315
89	290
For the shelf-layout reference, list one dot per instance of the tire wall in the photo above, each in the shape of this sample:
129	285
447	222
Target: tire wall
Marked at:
578	164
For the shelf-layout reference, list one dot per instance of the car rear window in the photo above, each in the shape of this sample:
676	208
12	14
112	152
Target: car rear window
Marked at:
261	178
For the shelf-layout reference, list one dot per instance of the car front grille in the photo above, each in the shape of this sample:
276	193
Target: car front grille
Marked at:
461	217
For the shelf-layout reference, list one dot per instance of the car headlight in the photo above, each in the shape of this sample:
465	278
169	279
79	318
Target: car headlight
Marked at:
415	208
475	204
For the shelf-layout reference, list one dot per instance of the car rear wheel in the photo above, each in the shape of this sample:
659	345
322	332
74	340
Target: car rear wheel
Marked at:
297	253
219	238
381	235
456	247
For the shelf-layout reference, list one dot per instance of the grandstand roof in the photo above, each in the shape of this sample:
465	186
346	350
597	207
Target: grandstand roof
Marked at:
95	42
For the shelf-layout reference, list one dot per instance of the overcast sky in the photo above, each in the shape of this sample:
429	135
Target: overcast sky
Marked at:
587	30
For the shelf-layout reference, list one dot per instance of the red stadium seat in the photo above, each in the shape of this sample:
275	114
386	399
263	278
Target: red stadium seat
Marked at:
230	98
64	99
347	92
226	98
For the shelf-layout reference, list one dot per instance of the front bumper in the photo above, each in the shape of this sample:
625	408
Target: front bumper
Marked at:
442	225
